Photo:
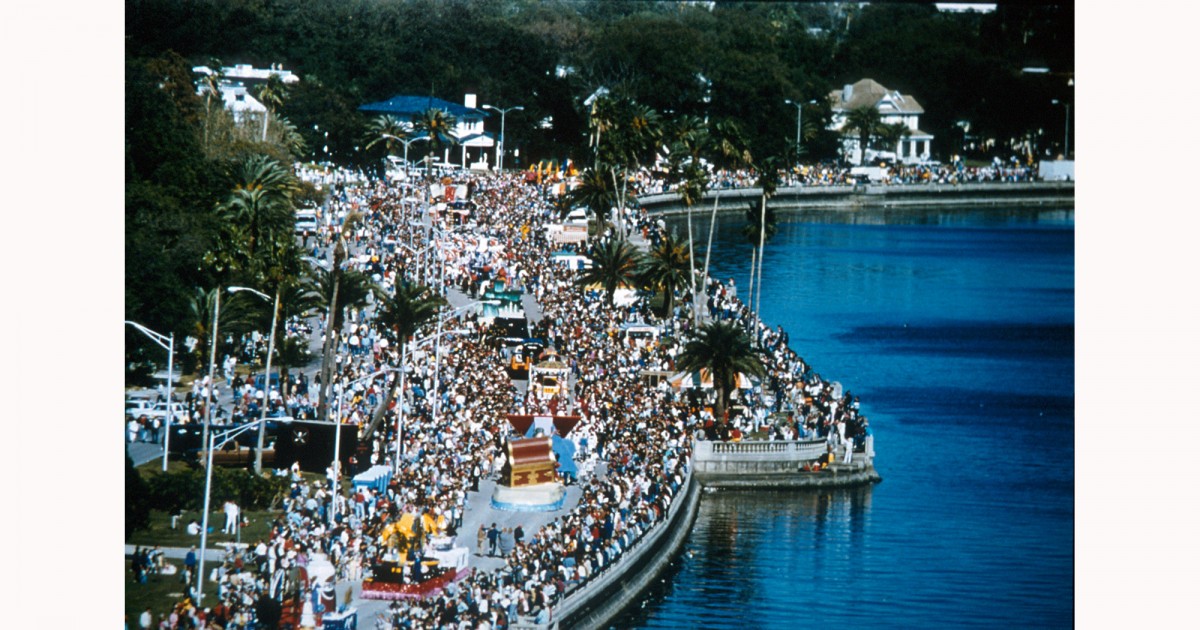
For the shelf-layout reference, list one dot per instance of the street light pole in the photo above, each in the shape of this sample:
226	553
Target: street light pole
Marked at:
404	360
209	446
500	148
212	383
169	344
266	379
1066	129
799	109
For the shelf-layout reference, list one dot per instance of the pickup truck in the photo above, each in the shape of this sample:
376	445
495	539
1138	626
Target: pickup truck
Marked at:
135	409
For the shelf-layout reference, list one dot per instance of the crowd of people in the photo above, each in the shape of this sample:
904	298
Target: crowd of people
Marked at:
446	428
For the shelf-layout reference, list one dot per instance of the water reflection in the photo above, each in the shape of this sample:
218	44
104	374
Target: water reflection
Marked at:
750	549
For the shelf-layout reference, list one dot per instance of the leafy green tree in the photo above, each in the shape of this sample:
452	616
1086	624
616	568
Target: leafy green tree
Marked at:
400	317
666	268
614	263
726	351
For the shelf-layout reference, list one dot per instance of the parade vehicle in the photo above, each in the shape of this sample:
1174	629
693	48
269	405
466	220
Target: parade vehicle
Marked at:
506	332
548	376
640	334
522	356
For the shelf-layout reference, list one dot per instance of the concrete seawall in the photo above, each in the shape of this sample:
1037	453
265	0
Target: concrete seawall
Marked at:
876	197
593	605
623	583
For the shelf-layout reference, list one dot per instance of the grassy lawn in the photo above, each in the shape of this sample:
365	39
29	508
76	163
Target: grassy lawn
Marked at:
160	592
160	532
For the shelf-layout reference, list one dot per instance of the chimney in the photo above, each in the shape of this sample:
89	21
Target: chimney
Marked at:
469	101
847	92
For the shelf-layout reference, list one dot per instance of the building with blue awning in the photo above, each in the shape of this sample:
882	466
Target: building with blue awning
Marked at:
473	142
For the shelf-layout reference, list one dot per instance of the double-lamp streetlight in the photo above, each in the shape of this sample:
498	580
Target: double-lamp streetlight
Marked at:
500	149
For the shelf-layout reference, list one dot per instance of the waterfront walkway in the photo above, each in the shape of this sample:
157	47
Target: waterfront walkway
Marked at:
643	434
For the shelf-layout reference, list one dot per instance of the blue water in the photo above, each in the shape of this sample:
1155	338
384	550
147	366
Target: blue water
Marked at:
956	330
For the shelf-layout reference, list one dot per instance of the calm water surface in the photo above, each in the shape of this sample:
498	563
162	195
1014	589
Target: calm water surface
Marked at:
956	329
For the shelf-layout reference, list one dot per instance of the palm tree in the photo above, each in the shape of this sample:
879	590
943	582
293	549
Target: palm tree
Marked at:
386	129
211	85
614	262
725	350
594	191
600	120
731	151
666	268
237	317
258	214
891	135
631	137
437	125
354	291
866	121
768	182
401	316
690	139
758	228
319	281
290	138
271	95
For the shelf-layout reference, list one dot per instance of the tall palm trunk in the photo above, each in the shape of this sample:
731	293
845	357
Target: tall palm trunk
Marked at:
692	269
762	254
750	290
388	396
266	123
327	356
712	224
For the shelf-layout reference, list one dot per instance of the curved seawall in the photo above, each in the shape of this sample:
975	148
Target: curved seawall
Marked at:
622	582
876	196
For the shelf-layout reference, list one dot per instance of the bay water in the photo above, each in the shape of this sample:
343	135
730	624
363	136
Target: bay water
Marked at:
955	327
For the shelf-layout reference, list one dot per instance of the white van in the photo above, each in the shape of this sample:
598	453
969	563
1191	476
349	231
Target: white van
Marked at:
306	221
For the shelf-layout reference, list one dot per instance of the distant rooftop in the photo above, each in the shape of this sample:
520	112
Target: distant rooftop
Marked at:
247	72
408	106
964	7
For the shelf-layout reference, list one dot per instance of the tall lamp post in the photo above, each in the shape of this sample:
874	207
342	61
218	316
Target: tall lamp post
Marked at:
267	378
799	109
1066	129
403	360
503	114
210	395
168	343
210	447
405	142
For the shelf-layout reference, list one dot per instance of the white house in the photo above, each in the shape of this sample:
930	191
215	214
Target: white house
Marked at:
235	85
893	107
